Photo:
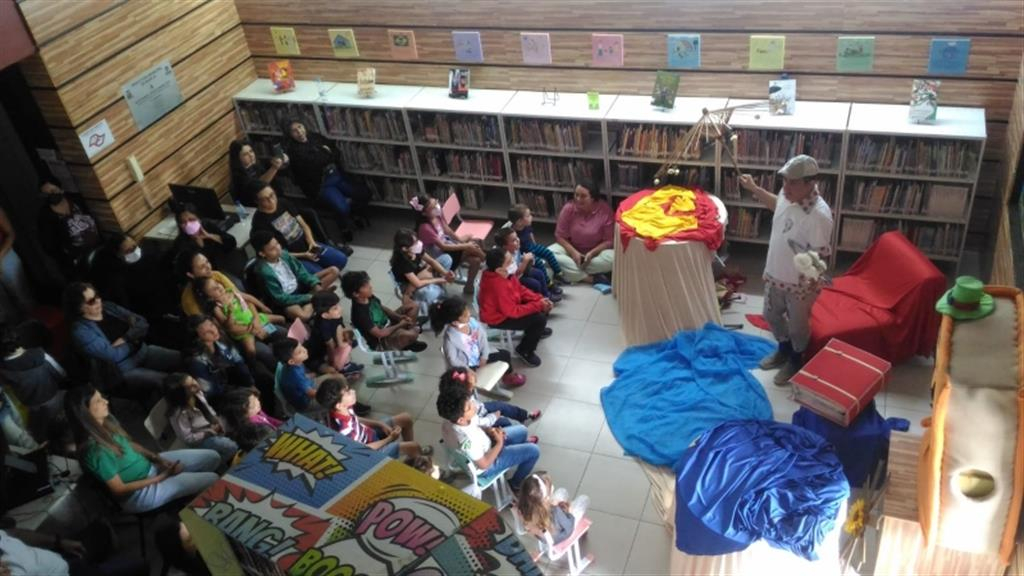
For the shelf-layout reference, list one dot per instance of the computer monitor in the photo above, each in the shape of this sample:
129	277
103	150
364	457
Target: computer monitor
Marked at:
204	199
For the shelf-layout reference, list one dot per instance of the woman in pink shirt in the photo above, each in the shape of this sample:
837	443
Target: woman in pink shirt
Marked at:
583	237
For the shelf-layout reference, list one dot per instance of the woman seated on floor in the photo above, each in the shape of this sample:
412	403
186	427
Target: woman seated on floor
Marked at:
584	237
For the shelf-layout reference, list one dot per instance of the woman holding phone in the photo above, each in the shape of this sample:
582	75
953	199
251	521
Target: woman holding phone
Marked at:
280	218
246	168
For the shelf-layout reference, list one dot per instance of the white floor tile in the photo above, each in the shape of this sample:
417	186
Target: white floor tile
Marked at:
606	311
570	424
357	262
616	486
583	380
607	445
577	303
609	540
550	370
599	342
651	550
650	513
565	333
565	465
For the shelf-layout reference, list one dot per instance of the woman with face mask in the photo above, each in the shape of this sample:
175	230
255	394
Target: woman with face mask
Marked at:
127	275
220	247
420	278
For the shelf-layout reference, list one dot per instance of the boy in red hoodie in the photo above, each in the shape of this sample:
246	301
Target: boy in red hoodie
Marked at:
507	305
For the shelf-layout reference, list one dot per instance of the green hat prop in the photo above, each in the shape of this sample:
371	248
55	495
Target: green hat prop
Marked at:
966	300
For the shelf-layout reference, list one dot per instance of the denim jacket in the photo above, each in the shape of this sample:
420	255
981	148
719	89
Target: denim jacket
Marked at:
89	340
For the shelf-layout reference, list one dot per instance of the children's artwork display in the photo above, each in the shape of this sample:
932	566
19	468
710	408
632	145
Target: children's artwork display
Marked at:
767	52
343	42
467	46
458	83
403	44
281	76
924	101
606	50
285	42
536	47
855	54
782	97
948	56
309	501
666	86
683	51
366	82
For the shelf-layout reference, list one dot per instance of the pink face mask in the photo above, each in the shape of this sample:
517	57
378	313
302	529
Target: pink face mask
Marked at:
192	227
417	248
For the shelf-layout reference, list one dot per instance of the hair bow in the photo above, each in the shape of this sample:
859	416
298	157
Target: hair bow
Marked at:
415	203
459	376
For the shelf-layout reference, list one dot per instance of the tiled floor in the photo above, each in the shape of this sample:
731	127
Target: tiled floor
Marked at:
577	448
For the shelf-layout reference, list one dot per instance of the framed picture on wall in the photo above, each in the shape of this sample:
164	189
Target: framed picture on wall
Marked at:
403	44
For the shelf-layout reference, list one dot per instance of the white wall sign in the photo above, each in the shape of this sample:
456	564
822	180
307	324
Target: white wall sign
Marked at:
97	138
152	94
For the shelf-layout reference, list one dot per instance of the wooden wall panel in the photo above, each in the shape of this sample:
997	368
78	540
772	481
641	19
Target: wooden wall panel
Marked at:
34	71
1003	272
107	35
194	74
101	86
48	19
941	16
991	57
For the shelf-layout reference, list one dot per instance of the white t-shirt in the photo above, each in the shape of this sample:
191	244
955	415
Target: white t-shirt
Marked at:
24	560
285	276
471	440
795	230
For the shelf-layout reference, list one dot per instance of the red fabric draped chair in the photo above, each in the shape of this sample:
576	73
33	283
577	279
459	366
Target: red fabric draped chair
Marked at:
885	303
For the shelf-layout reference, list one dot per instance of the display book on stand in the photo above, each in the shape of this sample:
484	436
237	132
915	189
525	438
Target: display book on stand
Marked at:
877	175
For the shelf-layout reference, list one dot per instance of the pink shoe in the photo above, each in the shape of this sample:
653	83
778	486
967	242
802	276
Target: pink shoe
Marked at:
533	439
513	380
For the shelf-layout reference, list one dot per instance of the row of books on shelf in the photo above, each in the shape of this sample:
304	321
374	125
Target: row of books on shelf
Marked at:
392	190
772	182
649	141
546	135
551	172
266	117
458	164
925	157
932	239
470	197
746	222
460	130
632	177
363	123
543	204
773	147
908	197
377	157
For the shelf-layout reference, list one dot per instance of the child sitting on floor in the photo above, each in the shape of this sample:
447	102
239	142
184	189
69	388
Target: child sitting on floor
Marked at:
382	327
547	512
529	273
330	343
520	219
491	413
392	435
464	339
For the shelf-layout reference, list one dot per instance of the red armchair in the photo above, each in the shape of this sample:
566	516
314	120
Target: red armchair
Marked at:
885	303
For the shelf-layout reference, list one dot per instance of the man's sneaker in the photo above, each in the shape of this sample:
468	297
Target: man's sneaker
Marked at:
546	332
530	359
416	346
362	409
788	370
781	355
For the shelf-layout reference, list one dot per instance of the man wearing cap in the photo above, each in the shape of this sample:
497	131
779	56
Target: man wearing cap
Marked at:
801	222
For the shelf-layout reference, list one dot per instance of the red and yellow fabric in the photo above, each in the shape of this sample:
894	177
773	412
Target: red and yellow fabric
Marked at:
669	213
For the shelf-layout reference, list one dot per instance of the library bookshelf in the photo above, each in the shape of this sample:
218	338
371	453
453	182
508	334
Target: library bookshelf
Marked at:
499	147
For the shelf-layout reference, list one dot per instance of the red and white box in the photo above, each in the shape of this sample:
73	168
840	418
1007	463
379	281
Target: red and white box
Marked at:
839	381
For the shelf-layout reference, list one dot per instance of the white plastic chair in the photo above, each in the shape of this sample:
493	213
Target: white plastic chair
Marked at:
477	486
159	427
568	548
389	359
505	338
488	378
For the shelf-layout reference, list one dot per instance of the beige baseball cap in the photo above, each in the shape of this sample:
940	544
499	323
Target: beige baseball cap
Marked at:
802	166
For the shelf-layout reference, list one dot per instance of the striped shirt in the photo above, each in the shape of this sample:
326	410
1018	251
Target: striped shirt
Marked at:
350	426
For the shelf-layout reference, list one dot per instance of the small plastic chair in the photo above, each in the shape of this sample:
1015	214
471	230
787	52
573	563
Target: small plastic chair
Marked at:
505	338
570	547
477	229
488	378
389	359
477	486
159	427
285	406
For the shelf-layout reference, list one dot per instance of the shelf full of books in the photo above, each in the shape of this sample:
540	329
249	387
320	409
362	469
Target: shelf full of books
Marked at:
474	200
939	241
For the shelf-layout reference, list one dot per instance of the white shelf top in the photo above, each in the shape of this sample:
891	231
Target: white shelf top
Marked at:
305	92
570	106
950	121
687	110
809	115
387	96
480	101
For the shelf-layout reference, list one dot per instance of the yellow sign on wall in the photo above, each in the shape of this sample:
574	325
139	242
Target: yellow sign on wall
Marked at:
767	52
285	42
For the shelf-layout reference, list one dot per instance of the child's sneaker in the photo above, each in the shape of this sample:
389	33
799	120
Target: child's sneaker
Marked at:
351	368
533	439
555	298
534	416
416	346
546	332
561	281
530	359
513	380
556	289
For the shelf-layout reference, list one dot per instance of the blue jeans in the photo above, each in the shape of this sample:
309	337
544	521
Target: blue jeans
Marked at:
149	366
535	281
222	445
13	427
445	260
514	412
329	257
198	474
14	283
516	452
335	192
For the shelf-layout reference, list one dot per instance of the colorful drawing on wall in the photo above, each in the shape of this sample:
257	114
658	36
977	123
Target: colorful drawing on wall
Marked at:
948	56
467	46
285	42
683	51
343	42
536	47
606	50
308	501
855	54
924	101
767	52
403	44
666	85
282	76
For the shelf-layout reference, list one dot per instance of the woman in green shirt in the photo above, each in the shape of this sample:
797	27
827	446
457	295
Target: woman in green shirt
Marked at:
138	478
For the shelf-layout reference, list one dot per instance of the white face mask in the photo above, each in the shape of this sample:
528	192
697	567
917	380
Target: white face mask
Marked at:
461	325
133	256
417	248
436	212
512	269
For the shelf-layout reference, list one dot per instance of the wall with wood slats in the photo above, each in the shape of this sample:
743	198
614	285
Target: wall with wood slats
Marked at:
89	49
903	33
1003	269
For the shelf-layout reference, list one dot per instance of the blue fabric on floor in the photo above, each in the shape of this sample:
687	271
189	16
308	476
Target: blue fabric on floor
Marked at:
860	447
750	480
667	393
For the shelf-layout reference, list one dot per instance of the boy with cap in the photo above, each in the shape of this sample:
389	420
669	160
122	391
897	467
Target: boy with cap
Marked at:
801	223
